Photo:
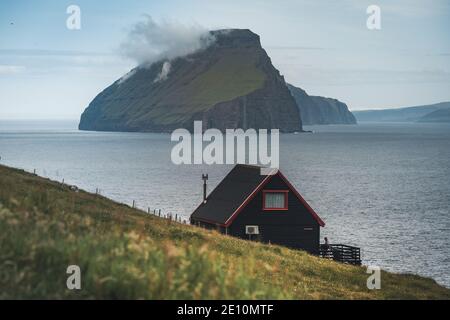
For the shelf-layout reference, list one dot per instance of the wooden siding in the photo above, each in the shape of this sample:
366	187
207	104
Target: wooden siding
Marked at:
294	228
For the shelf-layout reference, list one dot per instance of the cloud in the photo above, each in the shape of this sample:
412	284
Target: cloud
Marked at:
10	69
369	76
150	41
42	52
164	72
52	58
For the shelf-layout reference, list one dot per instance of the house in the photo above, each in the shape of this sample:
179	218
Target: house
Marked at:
265	208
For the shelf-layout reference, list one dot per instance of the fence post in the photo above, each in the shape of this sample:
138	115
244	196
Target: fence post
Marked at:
134	203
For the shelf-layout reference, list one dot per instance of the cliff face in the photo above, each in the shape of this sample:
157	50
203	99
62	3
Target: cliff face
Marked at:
230	84
320	110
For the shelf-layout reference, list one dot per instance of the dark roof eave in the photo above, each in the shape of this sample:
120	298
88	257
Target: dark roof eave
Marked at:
261	185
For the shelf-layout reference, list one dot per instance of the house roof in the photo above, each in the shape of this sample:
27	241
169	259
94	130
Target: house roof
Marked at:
235	191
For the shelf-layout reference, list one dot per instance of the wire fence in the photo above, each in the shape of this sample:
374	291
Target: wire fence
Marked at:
133	203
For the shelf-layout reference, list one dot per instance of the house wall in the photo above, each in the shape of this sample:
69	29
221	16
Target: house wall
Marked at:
295	227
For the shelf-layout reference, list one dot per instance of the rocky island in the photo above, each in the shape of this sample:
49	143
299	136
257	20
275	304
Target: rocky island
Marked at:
230	84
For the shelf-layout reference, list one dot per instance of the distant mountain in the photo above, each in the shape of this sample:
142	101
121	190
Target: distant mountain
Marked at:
440	115
409	114
320	110
230	84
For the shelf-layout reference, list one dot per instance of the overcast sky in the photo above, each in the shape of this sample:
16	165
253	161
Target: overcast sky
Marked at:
48	71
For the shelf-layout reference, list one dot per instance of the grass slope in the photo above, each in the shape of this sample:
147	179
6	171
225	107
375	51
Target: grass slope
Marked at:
193	85
124	253
234	75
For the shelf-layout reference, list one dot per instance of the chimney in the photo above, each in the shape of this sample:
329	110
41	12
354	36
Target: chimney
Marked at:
204	178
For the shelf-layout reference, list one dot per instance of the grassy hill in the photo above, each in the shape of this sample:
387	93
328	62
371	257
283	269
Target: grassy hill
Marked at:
125	253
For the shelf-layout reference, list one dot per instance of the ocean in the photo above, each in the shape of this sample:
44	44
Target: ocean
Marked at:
382	187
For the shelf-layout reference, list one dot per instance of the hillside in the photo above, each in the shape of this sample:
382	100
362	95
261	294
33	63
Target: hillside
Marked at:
408	114
320	110
125	253
230	84
440	115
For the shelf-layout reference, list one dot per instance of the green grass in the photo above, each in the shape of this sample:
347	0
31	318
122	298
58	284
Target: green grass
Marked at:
231	75
124	253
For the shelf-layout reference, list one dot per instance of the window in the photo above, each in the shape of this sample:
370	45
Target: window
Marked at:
275	199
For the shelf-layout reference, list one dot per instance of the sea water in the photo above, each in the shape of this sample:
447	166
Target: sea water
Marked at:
382	187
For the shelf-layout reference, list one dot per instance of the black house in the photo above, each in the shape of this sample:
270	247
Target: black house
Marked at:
259	207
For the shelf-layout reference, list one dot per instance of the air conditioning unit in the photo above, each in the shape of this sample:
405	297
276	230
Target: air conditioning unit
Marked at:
251	230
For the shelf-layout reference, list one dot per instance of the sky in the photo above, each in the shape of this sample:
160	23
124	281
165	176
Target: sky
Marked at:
50	72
